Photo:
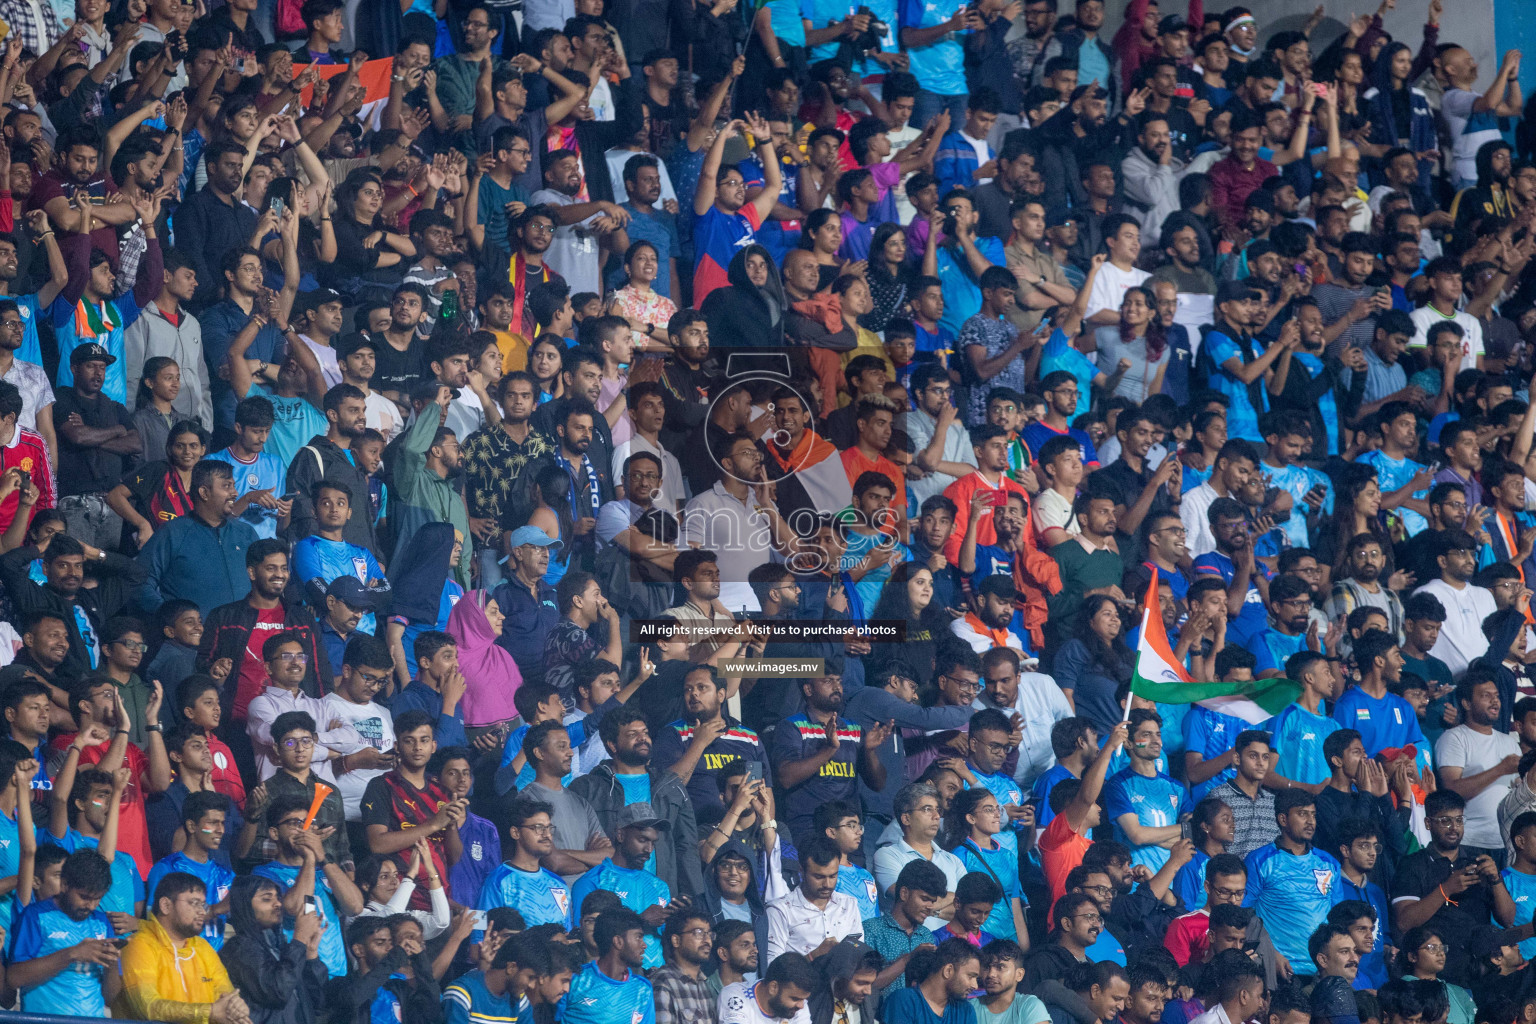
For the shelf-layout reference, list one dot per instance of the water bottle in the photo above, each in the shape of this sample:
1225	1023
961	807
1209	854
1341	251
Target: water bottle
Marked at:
450	308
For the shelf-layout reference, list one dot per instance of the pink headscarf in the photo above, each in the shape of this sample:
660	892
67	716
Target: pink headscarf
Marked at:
490	674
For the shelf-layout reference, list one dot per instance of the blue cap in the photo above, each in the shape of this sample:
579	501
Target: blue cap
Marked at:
531	535
350	591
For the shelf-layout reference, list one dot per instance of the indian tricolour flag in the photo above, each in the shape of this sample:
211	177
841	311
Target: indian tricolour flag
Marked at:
1158	676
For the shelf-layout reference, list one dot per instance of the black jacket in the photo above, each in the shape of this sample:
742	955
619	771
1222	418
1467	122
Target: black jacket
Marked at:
841	963
741	315
117	578
277	979
227	631
1046	965
598	137
350	997
323	459
677	861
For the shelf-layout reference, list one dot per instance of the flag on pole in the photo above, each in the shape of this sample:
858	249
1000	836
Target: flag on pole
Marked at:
1158	676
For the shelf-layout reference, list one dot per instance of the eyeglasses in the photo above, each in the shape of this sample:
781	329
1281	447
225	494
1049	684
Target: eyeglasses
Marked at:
298	656
700	933
1177	531
1446	820
291	823
12	325
130	645
1229	894
1102	890
965	685
538	830
299	744
1432	947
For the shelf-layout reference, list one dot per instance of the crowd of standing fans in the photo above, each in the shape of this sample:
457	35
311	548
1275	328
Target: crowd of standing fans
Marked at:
654	512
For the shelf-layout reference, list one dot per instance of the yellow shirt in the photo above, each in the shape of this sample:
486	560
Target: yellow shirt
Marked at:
164	983
514	351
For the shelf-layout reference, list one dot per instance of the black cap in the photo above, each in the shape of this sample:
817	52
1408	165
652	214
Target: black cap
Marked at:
1233	291
998	585
349	343
1059	215
91	352
317	298
1171	24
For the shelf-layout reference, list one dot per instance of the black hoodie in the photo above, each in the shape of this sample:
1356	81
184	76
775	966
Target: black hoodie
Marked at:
840	964
280	982
712	898
744	315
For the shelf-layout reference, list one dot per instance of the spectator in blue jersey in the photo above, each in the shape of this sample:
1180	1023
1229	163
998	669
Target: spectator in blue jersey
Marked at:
636	833
437	687
818	755
499	990
979	836
1075	744
203	817
1360	789
1451	889
1382	718
258	473
1292	885
63	958
1289	601
1362	919
1520	876
1145	804
1301	730
453	768
1061	393
611	989
1233	560
842	822
1212	829
304	872
280	976
629	777
990	738
942	981
326	554
521	881
695	747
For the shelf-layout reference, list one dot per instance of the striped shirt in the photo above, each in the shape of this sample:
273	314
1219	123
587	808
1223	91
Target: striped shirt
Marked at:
469	1001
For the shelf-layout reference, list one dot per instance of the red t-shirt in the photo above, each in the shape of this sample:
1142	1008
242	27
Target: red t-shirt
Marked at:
252	669
1061	850
51	186
132	827
27	451
226	775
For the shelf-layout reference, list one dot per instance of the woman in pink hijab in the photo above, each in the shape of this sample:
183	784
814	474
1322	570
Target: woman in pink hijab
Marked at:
491	677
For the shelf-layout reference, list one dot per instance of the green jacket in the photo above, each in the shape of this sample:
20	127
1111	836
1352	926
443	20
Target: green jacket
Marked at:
420	496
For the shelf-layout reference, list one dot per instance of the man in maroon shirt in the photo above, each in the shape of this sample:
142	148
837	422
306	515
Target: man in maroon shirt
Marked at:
1241	172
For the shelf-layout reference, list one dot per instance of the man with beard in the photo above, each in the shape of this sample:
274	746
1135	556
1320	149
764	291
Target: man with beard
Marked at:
427	479
1144	490
627	739
1290	608
1151	173
401	359
1292	885
1382	718
818	755
581	376
200	557
26	345
495	461
1237	367
706	739
807	470
1195	287
77	168
1076	134
1448	887
738	520
1232	559
682	990
583	226
530	235
325	457
241	272
1448	511
689	377
216	221
1461	637
779	996
64	952
1238	175
652	219
727	221
233	634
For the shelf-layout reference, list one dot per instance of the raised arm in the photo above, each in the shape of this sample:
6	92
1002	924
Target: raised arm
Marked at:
704	195
773	175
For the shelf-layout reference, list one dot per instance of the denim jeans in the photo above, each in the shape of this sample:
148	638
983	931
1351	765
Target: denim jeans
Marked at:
928	105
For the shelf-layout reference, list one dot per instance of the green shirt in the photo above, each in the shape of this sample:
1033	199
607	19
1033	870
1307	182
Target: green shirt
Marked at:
1081	571
421	496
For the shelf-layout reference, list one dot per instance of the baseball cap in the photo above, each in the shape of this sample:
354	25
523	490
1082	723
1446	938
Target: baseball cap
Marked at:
1488	941
1057	216
350	591
531	535
351	342
639	815
319	297
91	352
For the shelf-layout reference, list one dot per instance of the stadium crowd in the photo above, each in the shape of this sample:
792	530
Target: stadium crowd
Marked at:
682	512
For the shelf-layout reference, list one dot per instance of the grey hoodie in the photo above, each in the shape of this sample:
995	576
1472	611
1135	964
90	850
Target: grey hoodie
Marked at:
153	335
1064	1005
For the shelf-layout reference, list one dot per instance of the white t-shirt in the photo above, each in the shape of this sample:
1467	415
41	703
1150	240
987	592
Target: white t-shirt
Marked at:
1427	316
376	728
330	368
1109	287
738	1005
573	253
617	158
382	415
1474	753
905	211
1467	130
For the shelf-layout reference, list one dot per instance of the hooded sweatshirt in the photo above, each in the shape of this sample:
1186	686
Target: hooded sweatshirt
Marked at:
277	978
744	315
840	964
755	906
